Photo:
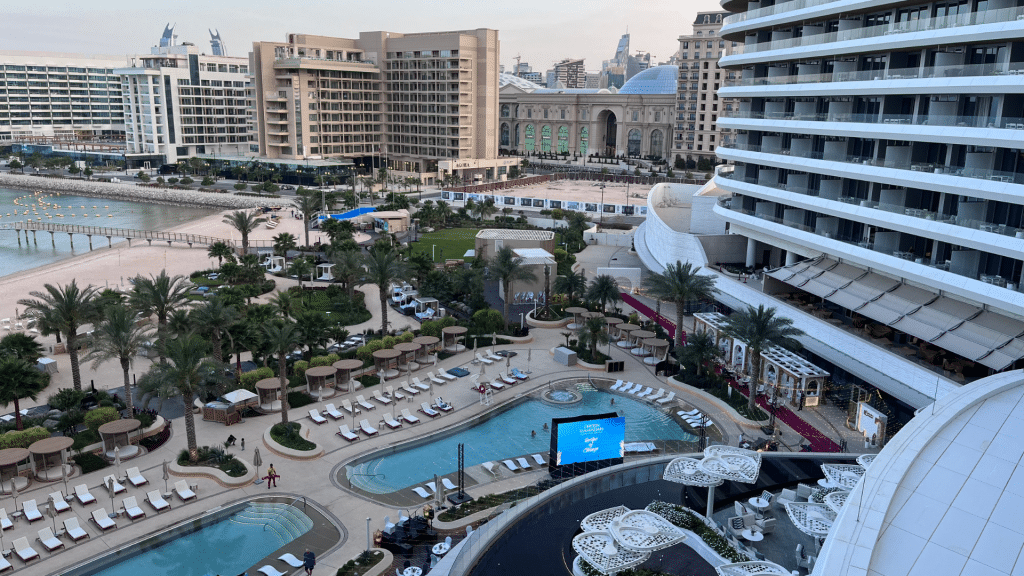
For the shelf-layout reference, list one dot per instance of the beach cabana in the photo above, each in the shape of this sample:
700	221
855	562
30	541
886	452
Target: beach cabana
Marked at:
383	360
323	272
48	459
318	376
269	391
12	461
429	347
452	334
343	372
117	434
275	264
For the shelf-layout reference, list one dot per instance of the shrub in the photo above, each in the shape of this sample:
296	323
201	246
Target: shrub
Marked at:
207	181
368	380
300	368
406	336
249	379
288	435
23	438
100	416
145	419
333	357
299	399
316	361
66	399
83	439
90	462
365	352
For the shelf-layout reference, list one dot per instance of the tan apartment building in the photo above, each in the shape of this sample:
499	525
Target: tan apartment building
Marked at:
571	73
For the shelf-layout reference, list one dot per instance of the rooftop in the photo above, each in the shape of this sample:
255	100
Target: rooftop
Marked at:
657	80
507	234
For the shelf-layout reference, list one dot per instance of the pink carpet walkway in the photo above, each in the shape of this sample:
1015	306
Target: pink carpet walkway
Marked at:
819	442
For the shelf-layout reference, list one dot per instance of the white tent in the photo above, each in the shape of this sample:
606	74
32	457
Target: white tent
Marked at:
239	397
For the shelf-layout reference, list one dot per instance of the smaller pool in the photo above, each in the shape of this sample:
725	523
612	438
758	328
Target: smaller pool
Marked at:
351	213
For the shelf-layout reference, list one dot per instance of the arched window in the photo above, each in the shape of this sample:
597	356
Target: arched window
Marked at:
545	139
529	138
563	140
633	144
584	140
505	110
657	141
504	134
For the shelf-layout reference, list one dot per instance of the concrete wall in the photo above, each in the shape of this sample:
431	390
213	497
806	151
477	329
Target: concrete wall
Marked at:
724	248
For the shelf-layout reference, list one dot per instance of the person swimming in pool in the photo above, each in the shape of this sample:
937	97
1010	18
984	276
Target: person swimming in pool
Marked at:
533	433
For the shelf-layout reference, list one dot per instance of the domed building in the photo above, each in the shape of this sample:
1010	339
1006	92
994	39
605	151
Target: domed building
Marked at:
635	120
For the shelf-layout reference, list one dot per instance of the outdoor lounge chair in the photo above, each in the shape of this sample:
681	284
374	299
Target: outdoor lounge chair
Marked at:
484	360
444	406
646	393
269	570
421	492
426	409
183	491
408	417
518	375
447	376
48	540
497	385
671	396
102	519
448	485
5	522
4	565
510	465
490	354
290	560
618	384
347	434
523	463
316	417
420	385
347	406
363	403
689	413
431	487
364	425
157	501
136	478
656	395
31	511
379	397
435	379
785	496
391	393
538	459
506	379
83	495
332	411
24	551
131	508
412	391
59	504
74	530
390	421
489	466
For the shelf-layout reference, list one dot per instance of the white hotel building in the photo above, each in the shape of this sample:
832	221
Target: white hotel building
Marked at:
877	166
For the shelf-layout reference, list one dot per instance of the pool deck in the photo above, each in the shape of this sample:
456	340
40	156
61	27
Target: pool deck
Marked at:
317	479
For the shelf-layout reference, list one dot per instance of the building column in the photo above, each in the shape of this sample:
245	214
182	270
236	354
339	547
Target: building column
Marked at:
751	252
790	258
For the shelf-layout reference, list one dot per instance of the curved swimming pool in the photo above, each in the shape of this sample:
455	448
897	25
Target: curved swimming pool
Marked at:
506	434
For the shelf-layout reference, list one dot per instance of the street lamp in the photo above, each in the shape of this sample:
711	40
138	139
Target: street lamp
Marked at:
602	203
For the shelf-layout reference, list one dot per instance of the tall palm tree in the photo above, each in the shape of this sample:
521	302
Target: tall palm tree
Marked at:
64	309
22	346
160	295
215	317
760	328
307	203
508	269
284	243
281	338
571	284
680	283
383	266
118	337
592	334
302	267
348	267
220	251
700	350
313	328
443	210
20	379
604	289
245	223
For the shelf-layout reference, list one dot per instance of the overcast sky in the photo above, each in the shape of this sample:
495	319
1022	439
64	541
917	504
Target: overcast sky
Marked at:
541	31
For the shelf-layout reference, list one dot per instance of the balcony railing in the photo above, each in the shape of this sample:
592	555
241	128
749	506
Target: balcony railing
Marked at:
974	70
878	118
773	10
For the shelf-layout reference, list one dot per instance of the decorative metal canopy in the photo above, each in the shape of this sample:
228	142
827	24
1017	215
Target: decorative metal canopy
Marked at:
843	475
758	568
836	500
687	471
865	460
619	538
811	518
731	463
601	552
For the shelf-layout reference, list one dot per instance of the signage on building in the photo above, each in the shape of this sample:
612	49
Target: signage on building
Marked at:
872	423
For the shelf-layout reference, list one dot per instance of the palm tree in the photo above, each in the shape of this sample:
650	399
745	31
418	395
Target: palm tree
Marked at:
383	266
19	379
571	284
220	251
443	210
22	346
215	318
282	337
186	371
118	337
592	334
160	295
680	283
604	289
700	350
244	222
286	304
313	326
348	267
760	328
301	267
508	269
63	309
307	203
285	242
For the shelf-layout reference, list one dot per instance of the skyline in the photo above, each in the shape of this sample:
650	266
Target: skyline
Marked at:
533	32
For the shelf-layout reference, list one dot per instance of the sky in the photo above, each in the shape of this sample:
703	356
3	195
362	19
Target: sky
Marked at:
541	32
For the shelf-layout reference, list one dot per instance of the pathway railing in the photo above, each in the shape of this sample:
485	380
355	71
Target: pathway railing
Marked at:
128	233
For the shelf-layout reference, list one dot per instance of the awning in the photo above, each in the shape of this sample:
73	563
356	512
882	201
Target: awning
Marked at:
962	346
1003	324
915	327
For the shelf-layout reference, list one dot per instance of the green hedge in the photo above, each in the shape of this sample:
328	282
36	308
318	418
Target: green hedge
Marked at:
249	379
299	399
287	435
300	367
23	438
90	462
323	360
100	416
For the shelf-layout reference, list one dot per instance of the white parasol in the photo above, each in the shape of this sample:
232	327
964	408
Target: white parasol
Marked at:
63	469
167	476
51	511
257	461
117	461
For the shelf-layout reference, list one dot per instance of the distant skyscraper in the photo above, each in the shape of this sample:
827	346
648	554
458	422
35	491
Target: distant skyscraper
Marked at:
168	37
219	49
618	70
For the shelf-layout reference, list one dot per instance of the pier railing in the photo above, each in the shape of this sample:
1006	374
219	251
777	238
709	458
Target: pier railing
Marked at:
128	233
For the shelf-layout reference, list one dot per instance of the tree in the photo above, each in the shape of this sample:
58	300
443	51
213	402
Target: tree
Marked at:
20	379
487	321
760	328
63	309
214	318
700	351
22	346
286	304
300	268
604	289
508	268
220	250
239	186
348	267
383	266
591	334
74	169
87	172
421	264
571	284
16	165
281	338
284	243
244	222
160	295
681	284
308	203
444	210
313	328
118	337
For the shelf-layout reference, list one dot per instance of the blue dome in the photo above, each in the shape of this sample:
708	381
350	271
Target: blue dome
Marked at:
657	80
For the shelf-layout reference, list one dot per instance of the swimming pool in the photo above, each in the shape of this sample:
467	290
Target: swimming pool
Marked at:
228	546
351	213
505	435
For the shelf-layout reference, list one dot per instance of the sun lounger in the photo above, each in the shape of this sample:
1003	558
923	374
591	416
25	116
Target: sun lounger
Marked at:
136	478
447	376
269	570
618	384
24	551
484	360
497	385
183	491
448	485
31	511
408	417
645	393
505	379
131	508
412	391
490	354
421	492
48	540
538	459
671	396
431	487
426	409
157	501
444	406
689	413
4	565
333	412
363	403
347	434
489	466
435	379
523	463
656	395
510	465
291	560
419	385
635	388
390	421
102	519
364	426
347	406
59	504
379	397
316	417
518	375
74	530
83	495
391	392
5	522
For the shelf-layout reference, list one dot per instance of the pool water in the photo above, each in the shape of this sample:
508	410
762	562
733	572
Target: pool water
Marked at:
228	547
507	435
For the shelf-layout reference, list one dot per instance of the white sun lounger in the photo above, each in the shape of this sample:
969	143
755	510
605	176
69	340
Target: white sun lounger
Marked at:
379	397
4	564
671	396
83	495
364	425
183	491
506	379
448	485
24	551
347	406
347	434
431	487
426	409
269	570
656	395
408	417
420	385
363	403
391	392
618	384
523	463
74	530
645	393
131	508
492	355
484	360
441	405
489	466
136	477
421	492
412	391
102	519
333	412
5	522
538	459
48	540
636	388
435	379
497	385
59	504
510	465
316	417
390	421
444	374
689	413
291	560
31	511
157	501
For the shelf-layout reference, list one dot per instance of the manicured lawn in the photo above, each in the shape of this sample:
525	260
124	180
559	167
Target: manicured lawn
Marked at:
454	241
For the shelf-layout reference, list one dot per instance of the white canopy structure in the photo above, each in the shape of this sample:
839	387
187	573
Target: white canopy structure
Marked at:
757	568
836	500
865	460
811	518
239	396
720	463
619	538
323	272
843	475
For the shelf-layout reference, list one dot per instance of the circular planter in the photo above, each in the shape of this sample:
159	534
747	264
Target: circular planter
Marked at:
215	474
589	366
280	450
465	521
545	324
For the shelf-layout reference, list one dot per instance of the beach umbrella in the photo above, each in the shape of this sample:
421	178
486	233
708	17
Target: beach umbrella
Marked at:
167	476
508	362
320	393
64	469
51	511
117	461
110	488
437	492
14	491
257	461
529	353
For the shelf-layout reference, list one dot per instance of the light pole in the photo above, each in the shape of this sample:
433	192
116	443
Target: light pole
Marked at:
367	533
602	203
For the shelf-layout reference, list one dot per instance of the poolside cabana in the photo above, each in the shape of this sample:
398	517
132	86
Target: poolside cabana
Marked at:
275	264
343	372
794	375
396	291
323	272
657	348
117	434
611	327
426	308
384	359
269	390
714	324
318	376
429	347
11	462
228	408
409	350
624	335
453	333
48	459
575	311
638	337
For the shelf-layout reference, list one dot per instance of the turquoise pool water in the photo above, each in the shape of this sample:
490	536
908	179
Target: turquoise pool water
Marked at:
507	435
227	547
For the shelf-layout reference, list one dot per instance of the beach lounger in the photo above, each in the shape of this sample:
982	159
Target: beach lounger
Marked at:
497	385
489	466
5	522
269	570
618	384
316	417
364	426
484	360
4	565
31	511
435	379
291	560
136	478
347	406
24	551
426	409
333	412
83	495
59	504
447	376
412	391
510	465
444	406
518	375
419	385
523	463
656	395
408	417
48	540
363	403
157	501
391	392
538	459
347	434
421	492
506	379
390	421
102	519
448	485
431	487
490	354
74	530
635	388
379	397
645	392
689	413
671	396
131	508
183	491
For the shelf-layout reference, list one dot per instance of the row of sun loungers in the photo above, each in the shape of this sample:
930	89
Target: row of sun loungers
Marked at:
488	357
431	488
638	390
513	466
695	418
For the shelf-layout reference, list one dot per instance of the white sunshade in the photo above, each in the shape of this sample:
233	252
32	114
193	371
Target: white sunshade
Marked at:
732	463
236	396
845	475
958	345
811	518
687	471
756	568
836	500
600	551
865	460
